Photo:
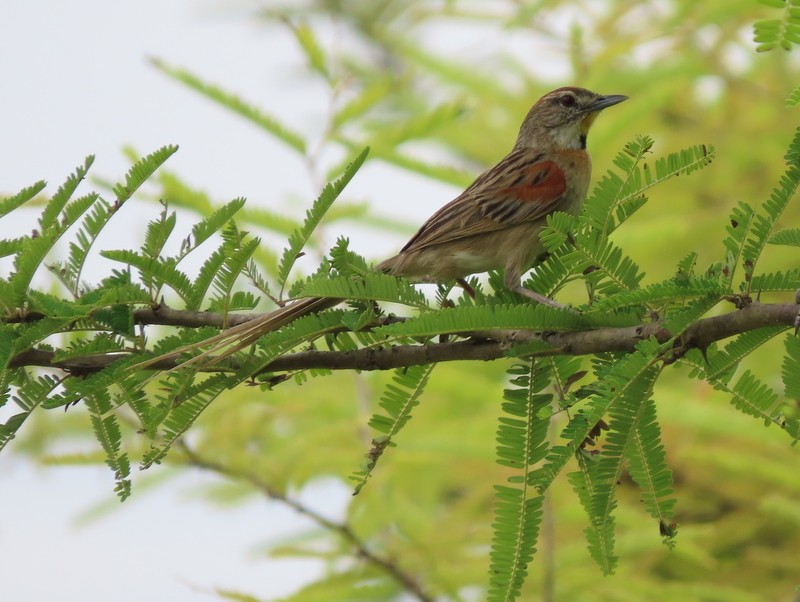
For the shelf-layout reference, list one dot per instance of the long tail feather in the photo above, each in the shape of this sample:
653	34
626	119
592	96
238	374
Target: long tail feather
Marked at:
238	337
244	335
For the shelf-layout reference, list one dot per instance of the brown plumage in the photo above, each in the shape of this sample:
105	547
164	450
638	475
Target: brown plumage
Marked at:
493	224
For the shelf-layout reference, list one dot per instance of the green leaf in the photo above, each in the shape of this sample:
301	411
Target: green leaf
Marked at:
521	434
618	195
626	382
751	396
794	98
32	393
299	237
9	429
720	365
106	430
787	236
604	266
94	391
8	204
521	443
100	214
141	171
93	223
625	391
311	48
240	300
791	368
7	336
212	224
369	287
614	188
792	156
59	200
776	281
12	246
238	252
681	318
101	344
154	272
157	233
118	318
414	164
367	98
206	276
766	219
548	277
661	294
783	31
233	103
187	401
517	521
38	331
492	317
754	398
738	229
648	467
585	485
58	217
399	398
116	289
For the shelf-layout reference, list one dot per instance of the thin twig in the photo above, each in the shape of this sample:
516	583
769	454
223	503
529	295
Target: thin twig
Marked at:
342	529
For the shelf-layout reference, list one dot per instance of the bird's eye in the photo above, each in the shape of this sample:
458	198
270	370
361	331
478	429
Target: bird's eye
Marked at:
568	101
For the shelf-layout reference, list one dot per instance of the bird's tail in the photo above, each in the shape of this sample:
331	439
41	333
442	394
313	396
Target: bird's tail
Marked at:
241	336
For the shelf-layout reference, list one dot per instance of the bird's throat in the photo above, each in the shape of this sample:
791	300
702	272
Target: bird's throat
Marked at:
586	124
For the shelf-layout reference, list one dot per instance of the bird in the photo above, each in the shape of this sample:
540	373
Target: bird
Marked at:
494	224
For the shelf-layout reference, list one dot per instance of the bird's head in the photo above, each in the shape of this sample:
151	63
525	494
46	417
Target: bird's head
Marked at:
561	119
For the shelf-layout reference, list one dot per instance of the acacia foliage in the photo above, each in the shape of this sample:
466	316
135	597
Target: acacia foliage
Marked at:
613	406
579	248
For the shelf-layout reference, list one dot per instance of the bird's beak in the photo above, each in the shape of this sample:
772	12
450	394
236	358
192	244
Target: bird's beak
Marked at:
605	101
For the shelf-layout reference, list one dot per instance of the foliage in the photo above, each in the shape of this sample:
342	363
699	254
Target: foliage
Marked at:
521	444
606	424
783	31
397	401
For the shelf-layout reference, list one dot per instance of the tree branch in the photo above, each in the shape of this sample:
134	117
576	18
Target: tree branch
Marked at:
484	346
342	529
157	314
164	315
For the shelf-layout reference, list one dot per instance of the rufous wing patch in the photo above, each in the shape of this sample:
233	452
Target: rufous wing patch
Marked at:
542	182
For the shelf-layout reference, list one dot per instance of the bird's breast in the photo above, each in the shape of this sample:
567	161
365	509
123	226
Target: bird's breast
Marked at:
577	168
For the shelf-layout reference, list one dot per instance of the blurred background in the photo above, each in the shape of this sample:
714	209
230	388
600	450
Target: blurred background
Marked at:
437	89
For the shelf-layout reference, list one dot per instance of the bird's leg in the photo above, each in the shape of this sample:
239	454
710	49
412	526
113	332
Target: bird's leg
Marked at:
466	286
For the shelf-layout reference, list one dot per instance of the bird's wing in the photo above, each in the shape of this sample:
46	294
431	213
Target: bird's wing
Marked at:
523	187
